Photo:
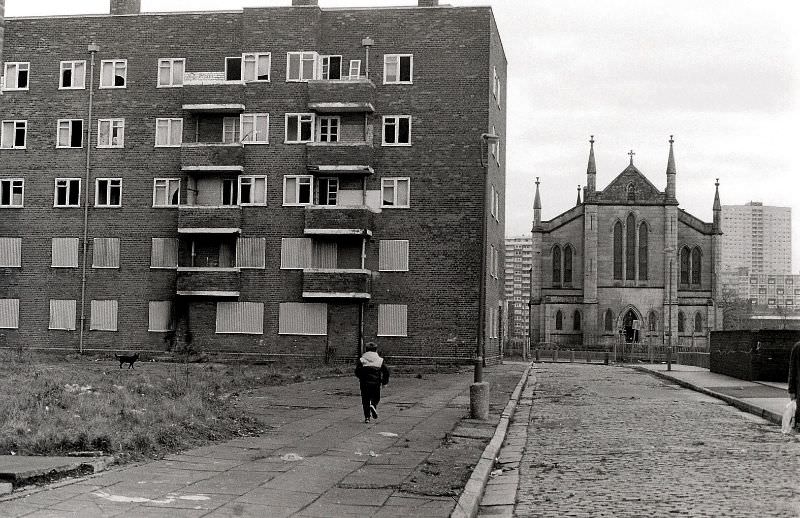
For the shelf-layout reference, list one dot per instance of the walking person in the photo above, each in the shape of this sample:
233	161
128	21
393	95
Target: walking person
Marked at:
372	373
794	380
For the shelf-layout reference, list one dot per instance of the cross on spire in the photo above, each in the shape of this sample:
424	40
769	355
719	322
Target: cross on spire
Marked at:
630	154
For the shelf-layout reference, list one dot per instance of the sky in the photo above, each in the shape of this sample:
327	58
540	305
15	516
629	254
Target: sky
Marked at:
723	76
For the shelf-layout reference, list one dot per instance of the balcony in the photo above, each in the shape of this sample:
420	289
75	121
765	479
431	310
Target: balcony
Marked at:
209	92
208	282
336	284
356	220
341	96
199	219
339	157
212	156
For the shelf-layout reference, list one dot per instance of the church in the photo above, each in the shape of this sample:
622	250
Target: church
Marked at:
626	263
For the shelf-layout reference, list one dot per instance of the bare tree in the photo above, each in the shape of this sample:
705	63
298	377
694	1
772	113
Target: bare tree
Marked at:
736	312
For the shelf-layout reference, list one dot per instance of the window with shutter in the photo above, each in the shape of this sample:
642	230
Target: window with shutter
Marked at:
240	318
160	316
9	313
11	252
251	252
62	314
393	255
65	252
392	320
105	252
295	253
103	315
303	318
164	252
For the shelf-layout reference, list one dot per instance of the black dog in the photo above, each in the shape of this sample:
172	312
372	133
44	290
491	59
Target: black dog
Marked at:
127	358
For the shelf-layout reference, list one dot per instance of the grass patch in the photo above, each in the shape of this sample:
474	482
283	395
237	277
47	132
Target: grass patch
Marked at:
54	405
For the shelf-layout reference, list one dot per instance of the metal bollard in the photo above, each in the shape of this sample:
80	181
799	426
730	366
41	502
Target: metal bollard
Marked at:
587	357
537	355
555	355
606	358
571	356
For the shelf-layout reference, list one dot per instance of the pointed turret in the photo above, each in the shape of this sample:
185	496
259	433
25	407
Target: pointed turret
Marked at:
717	210
671	173
537	207
579	196
591	170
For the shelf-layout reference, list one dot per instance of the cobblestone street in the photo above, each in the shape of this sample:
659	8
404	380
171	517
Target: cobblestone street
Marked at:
611	441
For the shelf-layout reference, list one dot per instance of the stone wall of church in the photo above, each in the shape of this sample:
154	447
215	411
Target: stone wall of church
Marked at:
690	237
569	234
653	216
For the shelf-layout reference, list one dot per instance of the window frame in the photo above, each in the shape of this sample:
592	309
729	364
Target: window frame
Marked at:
11	182
329	119
71	67
108	192
170	121
166	184
298	177
396	119
395	180
299	117
172	76
14	122
68	181
256	56
252	177
241	69
111	123
255	117
322	66
399	81
235	130
16	65
329	181
302	54
114	63
357	64
70	123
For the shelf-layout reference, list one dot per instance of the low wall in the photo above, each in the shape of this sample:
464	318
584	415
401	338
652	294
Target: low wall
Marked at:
761	355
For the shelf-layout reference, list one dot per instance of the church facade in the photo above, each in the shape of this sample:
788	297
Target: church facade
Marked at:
626	263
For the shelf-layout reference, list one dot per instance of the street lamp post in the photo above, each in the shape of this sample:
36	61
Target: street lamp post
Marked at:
669	302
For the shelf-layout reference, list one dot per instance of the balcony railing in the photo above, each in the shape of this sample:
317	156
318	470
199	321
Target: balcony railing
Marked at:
212	156
339	157
208	282
336	283
209	92
339	220
341	96
199	219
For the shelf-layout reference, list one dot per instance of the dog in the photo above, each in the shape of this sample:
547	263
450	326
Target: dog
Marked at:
130	359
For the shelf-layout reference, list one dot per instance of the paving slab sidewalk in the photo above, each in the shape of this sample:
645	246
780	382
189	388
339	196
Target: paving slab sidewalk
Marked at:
764	399
317	460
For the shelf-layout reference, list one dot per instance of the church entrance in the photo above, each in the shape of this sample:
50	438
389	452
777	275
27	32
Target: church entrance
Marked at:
631	326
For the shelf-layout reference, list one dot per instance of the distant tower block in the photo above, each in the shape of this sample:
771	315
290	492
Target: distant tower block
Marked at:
125	6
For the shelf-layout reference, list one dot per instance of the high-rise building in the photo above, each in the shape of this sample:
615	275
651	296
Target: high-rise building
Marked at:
283	181
757	237
518	285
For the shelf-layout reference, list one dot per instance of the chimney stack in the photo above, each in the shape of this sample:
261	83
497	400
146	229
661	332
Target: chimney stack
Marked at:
126	6
305	3
428	3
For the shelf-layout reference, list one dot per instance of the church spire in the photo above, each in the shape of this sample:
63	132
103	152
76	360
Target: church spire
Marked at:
671	172
537	207
591	170
717	209
579	196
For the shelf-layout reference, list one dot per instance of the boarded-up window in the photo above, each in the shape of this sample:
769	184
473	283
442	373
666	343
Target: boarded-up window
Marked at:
62	314
324	254
160	316
240	317
65	252
105	252
250	252
301	318
164	253
11	252
9	313
392	320
393	255
104	315
295	253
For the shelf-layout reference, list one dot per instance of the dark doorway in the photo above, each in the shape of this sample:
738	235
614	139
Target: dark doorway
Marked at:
631	325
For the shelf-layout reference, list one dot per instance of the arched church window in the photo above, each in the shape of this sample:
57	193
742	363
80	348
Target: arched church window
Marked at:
643	252
567	264
576	321
651	321
630	248
556	265
697	256
698	323
559	320
681	322
618	251
684	265
609	321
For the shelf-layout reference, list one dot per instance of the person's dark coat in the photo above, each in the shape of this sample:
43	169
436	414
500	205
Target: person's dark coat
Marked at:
371	369
794	371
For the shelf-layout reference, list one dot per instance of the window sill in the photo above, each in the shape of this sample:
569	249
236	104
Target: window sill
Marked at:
72	87
384	144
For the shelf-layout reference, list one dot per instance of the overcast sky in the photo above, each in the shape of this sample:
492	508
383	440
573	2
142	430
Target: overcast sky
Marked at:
721	75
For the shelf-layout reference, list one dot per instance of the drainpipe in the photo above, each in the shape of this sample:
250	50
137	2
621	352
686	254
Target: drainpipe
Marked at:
93	49
367	43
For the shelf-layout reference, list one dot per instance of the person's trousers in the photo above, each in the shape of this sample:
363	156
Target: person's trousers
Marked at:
370	394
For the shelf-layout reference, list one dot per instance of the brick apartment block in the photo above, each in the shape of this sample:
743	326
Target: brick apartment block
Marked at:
286	181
